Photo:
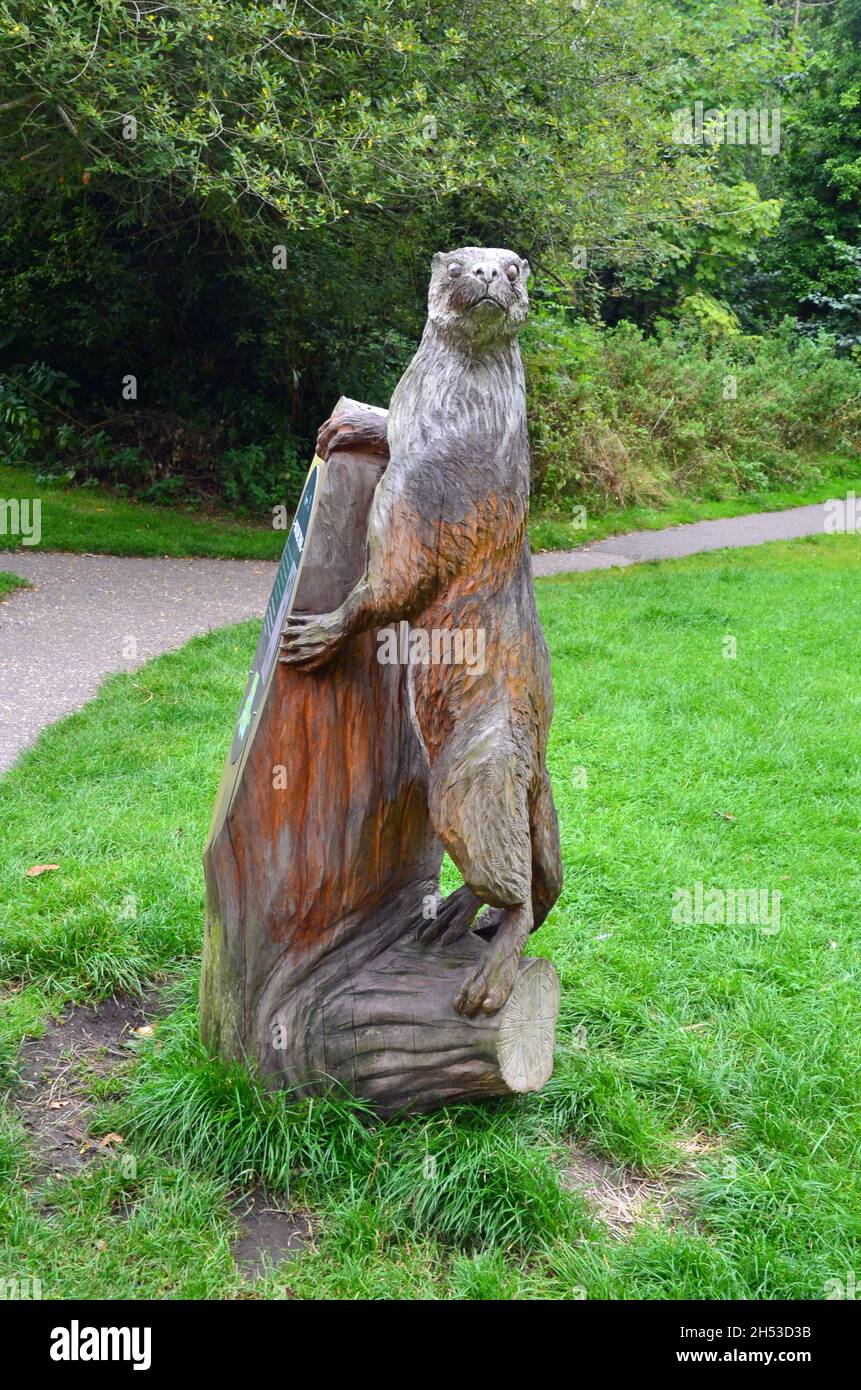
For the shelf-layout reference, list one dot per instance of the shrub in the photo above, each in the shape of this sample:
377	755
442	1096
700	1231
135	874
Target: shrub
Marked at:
620	417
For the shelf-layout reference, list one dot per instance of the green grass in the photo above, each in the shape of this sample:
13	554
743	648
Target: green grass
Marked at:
97	521
8	582
672	764
163	1233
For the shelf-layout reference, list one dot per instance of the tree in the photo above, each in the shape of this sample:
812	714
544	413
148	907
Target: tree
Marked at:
260	187
813	265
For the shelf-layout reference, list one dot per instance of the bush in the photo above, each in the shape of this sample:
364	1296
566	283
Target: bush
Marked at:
620	417
157	455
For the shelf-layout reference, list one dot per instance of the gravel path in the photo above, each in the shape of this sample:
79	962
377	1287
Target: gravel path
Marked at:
90	615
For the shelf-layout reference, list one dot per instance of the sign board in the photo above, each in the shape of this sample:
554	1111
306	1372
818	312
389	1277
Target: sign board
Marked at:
268	646
278	608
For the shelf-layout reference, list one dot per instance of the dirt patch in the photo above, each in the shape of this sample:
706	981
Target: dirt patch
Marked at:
270	1233
699	1145
622	1198
54	1105
56	1110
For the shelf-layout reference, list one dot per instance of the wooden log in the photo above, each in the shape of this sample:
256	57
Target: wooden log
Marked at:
321	863
391	1033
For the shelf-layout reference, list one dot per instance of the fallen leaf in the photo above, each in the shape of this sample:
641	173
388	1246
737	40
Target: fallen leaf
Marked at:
58	1104
146	1030
36	869
109	1140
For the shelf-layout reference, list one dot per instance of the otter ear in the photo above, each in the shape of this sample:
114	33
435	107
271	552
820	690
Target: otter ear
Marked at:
524	266
437	259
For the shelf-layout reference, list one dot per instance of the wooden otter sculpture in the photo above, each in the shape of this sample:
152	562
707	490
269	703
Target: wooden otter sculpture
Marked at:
328	955
448	548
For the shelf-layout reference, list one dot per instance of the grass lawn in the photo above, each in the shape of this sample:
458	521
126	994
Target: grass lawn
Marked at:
94	520
717	1057
8	582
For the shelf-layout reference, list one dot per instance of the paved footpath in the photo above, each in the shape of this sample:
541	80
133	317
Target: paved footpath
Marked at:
90	615
674	542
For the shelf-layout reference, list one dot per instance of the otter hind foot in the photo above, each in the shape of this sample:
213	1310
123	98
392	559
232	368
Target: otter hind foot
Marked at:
489	985
456	916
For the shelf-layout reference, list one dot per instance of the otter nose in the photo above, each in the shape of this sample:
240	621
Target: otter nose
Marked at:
484	270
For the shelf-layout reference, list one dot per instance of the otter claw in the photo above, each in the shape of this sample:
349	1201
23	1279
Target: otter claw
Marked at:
310	639
454	918
300	622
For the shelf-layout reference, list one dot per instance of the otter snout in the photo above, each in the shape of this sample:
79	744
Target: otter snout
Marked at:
484	270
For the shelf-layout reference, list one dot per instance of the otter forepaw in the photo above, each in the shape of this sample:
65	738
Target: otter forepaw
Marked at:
488	987
355	429
309	640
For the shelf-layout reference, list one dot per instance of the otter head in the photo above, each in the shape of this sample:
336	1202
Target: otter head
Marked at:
477	296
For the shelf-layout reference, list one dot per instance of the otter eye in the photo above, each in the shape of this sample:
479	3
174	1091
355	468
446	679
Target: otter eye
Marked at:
512	272
455	269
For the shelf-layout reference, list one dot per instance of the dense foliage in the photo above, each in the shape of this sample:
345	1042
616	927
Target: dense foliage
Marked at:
216	215
637	419
813	268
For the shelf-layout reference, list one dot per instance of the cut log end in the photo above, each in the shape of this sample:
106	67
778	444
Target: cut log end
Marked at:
527	1027
388	1029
